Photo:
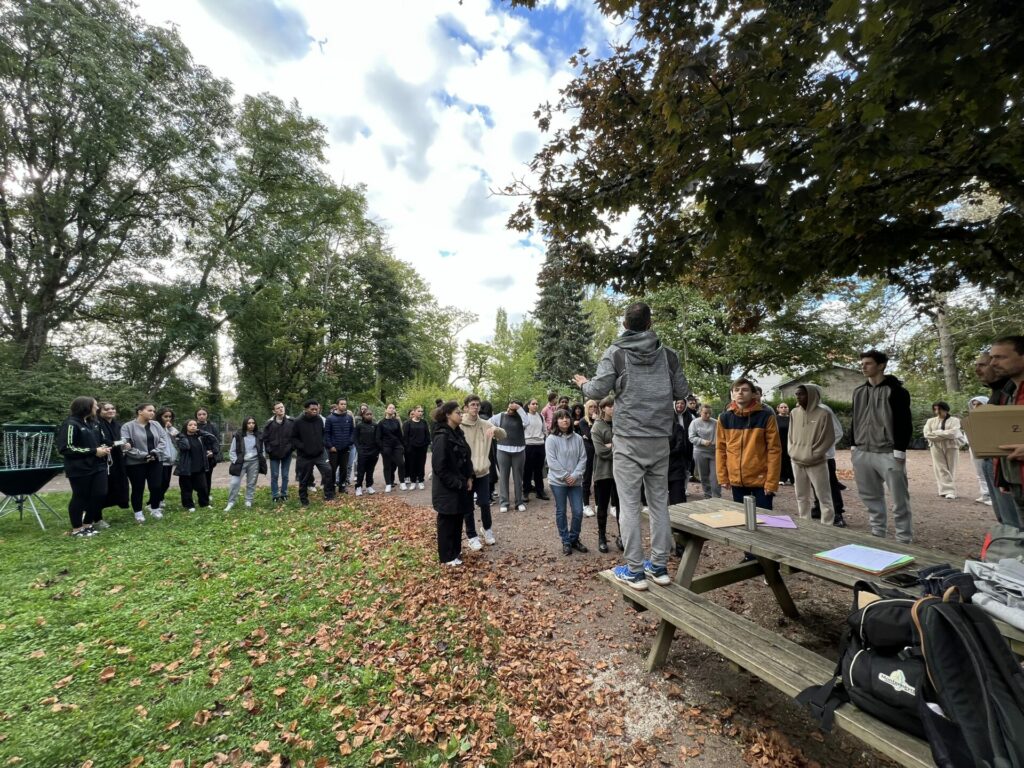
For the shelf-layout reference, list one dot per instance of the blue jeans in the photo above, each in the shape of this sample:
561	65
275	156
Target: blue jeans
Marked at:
280	468
574	495
761	499
1002	503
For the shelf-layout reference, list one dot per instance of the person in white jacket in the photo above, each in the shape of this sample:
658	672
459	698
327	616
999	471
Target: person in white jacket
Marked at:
944	437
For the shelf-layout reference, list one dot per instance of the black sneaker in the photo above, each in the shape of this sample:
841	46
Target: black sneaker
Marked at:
602	545
566	549
578	546
839	522
543	497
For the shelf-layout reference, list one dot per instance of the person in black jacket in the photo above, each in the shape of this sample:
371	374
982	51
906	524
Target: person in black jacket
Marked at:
680	454
308	441
581	424
392	447
338	435
117	477
80	442
368	448
451	490
195	449
277	441
417	441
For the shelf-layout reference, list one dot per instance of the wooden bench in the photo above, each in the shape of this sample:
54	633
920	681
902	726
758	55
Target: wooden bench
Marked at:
779	662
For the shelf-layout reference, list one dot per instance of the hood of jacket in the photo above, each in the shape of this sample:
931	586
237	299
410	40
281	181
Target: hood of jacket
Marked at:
979	399
641	346
813	396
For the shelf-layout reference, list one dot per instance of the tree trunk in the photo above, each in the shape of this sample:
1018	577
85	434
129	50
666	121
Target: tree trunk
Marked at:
947	347
33	341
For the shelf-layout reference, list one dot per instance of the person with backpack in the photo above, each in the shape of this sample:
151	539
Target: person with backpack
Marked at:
810	436
416	436
647	379
567	464
145	442
369	449
451	489
392	447
80	442
277	442
604	477
195	449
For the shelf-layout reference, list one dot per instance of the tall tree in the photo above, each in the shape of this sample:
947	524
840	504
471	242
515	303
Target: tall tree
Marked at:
107	133
566	336
760	146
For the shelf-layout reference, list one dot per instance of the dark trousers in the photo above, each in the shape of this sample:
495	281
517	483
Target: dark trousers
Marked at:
209	475
87	496
339	465
394	459
482	491
533	471
605	493
140	476
761	499
677	490
449	537
366	464
588	473
165	486
837	494
305	469
194	483
416	463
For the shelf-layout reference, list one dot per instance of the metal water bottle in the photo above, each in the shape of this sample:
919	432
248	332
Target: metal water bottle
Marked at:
750	509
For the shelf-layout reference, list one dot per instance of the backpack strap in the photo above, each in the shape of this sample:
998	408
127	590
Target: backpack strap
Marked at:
824	700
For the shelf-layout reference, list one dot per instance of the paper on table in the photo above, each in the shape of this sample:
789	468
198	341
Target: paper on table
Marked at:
865	558
776	521
724	519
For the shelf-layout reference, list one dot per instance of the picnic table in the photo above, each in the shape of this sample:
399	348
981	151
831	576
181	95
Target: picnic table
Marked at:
777	552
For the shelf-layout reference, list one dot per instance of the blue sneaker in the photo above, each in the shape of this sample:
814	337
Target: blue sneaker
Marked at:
635	580
657	573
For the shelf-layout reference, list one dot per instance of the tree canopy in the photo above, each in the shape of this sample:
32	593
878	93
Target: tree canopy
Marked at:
754	148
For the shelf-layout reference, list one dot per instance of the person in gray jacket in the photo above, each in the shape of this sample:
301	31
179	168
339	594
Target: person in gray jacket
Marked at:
147	444
702	435
567	462
647	380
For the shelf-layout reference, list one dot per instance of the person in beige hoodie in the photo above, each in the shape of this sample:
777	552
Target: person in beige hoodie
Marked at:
479	433
811	434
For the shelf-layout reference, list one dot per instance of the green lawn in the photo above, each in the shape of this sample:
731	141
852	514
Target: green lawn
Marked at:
312	636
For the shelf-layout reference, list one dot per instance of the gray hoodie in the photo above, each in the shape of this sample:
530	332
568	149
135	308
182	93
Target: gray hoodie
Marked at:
646	378
138	453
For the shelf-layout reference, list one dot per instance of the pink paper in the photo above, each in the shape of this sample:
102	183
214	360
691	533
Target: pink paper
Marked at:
776	521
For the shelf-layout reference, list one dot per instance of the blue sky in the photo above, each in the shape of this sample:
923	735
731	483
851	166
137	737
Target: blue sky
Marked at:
427	103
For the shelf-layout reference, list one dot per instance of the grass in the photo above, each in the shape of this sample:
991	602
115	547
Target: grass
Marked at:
200	634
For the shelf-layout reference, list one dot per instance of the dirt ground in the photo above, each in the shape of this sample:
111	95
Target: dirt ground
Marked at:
698	710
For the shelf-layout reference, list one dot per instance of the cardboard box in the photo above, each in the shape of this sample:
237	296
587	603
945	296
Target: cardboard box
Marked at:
989	426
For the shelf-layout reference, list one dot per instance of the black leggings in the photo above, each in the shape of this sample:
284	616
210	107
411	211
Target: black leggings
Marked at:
165	486
141	475
416	463
588	473
366	463
87	496
605	492
394	459
533	471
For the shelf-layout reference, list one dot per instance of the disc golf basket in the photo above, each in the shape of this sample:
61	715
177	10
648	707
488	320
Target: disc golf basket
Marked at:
27	466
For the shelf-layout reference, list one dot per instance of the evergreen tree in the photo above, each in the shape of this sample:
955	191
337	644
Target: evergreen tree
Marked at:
566	335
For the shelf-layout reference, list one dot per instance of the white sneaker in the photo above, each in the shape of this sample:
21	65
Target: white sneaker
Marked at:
949	496
420	486
503	508
387	489
489	537
229	506
987	502
191	509
454	562
139	517
409	483
370	490
156	513
588	511
521	508
401	486
313	488
475	544
248	504
983	499
359	491
613	511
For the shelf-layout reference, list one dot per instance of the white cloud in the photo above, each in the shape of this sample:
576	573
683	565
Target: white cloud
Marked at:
429	104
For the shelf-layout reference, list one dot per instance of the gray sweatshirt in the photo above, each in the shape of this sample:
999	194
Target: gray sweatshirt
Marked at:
566	456
702	432
139	451
647	380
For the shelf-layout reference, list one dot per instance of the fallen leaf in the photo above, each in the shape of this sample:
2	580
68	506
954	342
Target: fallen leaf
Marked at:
115	589
261	746
107	674
37	654
310	682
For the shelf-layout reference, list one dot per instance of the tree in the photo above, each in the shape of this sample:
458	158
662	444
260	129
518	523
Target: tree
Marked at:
564	346
760	147
107	133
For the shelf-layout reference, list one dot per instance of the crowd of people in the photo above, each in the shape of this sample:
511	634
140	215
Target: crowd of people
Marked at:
636	441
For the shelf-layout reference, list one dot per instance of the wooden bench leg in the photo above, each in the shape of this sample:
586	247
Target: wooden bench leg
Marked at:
692	546
778	587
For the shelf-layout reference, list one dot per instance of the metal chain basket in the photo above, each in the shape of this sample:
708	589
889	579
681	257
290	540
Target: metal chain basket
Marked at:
28	446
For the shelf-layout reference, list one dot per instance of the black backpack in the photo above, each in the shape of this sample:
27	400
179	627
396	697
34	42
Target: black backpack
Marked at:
936	668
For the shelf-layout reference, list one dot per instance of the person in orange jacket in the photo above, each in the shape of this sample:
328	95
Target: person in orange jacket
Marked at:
748	453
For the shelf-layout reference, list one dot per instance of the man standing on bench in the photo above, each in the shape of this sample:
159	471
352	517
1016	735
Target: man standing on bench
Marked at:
646	378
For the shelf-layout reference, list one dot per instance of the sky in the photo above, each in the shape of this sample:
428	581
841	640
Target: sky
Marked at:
428	103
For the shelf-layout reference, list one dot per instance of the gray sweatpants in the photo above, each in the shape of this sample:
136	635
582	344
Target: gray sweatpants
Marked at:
251	472
510	463
707	472
874	472
644	460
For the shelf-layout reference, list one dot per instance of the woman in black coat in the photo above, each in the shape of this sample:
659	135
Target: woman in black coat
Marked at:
117	477
85	464
195	452
451	490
